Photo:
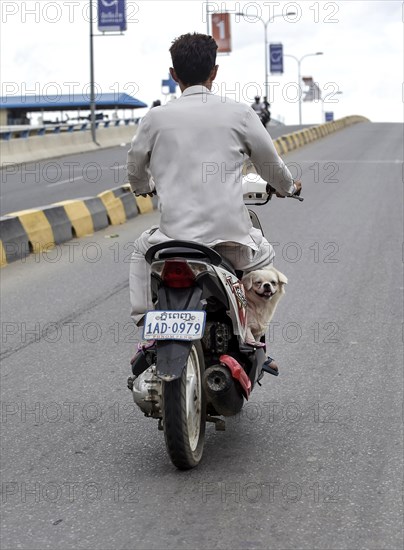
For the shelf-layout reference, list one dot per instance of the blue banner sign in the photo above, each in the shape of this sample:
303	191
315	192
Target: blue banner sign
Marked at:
169	84
276	58
111	15
329	116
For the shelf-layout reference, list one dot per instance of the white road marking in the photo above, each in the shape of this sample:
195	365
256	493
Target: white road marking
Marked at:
70	180
392	161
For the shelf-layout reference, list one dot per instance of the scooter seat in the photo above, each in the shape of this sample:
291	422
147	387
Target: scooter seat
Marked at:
182	252
165	254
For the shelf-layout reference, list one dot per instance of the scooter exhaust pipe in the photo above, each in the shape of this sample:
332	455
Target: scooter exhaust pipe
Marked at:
222	390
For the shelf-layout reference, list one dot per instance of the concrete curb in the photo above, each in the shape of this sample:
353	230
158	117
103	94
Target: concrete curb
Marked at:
290	142
36	230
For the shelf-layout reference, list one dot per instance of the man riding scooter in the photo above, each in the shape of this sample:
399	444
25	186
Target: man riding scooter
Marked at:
191	153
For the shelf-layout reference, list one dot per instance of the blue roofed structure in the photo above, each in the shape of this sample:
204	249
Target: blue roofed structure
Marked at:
70	102
17	107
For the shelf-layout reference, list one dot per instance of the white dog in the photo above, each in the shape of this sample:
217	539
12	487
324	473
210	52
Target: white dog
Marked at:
263	288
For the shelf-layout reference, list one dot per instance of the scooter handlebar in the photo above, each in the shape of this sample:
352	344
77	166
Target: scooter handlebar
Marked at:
271	191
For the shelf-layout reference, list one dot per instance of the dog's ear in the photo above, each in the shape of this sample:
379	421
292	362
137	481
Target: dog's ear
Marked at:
281	277
247	281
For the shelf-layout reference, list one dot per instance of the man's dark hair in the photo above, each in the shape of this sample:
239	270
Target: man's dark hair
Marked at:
193	57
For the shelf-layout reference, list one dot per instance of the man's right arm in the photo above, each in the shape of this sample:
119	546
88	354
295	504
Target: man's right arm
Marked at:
138	160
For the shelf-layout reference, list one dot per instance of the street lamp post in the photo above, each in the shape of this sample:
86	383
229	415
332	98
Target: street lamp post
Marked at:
92	86
299	61
266	23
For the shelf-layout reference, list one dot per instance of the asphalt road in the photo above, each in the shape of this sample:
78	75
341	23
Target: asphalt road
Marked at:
32	185
315	460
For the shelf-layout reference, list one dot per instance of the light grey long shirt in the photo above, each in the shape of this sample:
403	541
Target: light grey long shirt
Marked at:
193	150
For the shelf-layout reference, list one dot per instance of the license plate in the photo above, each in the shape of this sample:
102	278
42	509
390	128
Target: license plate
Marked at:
174	325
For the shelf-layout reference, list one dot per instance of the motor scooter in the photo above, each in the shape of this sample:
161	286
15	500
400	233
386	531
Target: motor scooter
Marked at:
197	366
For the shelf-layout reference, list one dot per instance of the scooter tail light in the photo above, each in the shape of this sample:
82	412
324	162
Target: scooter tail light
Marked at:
177	274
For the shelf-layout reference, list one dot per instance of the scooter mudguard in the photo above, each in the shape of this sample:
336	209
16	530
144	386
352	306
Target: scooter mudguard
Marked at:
172	355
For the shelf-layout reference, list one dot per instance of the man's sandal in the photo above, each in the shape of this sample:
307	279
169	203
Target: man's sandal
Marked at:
267	367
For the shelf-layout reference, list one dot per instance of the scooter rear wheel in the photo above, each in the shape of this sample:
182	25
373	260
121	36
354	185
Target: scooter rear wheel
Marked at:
184	413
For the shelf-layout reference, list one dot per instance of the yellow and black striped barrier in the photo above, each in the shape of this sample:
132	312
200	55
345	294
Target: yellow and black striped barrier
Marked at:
289	142
35	230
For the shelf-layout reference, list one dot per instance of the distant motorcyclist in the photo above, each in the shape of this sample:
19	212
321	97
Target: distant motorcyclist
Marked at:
261	108
265	109
257	106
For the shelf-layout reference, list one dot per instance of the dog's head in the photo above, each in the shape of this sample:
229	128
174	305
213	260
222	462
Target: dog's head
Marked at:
263	284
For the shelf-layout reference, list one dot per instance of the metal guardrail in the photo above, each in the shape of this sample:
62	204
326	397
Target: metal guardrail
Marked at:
24	132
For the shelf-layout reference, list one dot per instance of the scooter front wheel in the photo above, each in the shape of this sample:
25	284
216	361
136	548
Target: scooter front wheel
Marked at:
184	412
